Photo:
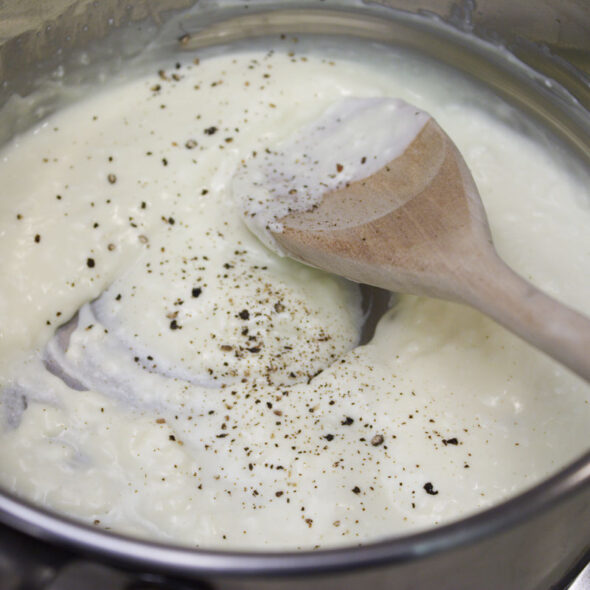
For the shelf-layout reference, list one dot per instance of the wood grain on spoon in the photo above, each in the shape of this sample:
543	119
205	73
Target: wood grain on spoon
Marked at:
418	226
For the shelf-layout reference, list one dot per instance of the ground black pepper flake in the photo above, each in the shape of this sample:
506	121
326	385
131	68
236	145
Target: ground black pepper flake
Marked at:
430	489
174	325
190	144
112	178
37	238
377	440
210	130
347	421
356	490
450	441
196	291
329	437
244	314
90	262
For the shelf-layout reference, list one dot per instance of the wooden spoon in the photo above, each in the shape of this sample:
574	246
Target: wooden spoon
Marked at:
418	226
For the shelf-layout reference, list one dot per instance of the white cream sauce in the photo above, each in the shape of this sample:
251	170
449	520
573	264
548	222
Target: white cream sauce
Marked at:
216	394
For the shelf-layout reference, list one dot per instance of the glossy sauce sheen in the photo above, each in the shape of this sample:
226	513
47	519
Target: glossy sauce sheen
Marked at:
217	396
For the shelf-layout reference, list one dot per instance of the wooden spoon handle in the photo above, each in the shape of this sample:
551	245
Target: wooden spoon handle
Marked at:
496	290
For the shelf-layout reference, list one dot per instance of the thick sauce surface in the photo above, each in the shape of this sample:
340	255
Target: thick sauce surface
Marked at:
210	392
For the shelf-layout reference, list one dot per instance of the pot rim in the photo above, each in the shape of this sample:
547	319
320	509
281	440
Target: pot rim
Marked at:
50	527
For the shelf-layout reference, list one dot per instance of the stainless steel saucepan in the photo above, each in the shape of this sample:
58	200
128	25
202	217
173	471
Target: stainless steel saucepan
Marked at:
536	55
